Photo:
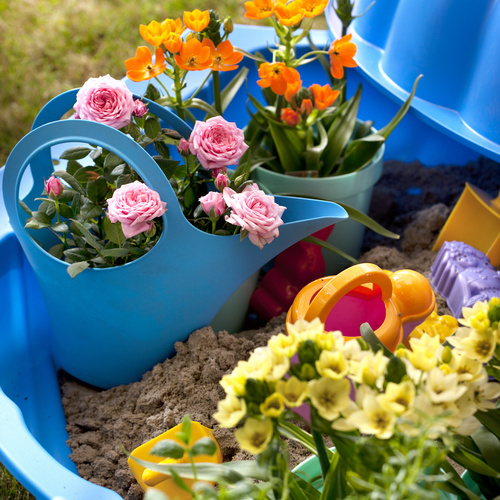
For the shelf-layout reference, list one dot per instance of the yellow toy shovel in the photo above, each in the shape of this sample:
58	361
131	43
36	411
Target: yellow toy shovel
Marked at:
148	478
475	220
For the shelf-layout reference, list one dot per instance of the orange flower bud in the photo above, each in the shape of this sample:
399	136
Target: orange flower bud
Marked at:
290	116
306	107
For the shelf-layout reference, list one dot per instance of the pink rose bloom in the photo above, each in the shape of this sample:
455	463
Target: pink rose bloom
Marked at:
54	187
105	100
139	108
221	181
256	212
213	199
217	143
135	206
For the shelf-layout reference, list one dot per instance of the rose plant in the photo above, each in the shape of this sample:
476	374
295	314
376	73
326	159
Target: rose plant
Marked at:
392	418
104	215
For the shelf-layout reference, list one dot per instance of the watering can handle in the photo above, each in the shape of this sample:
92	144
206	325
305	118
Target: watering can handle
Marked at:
61	104
342	283
90	132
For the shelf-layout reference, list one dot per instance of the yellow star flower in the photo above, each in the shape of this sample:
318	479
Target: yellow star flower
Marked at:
230	411
398	398
329	396
370	369
255	435
442	388
467	369
283	344
476	344
373	418
425	352
293	390
273	406
332	365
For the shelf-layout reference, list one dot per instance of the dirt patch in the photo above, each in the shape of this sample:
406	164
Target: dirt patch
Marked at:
410	199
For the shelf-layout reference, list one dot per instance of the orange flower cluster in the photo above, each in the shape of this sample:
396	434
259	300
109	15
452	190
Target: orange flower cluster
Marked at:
287	13
189	55
321	98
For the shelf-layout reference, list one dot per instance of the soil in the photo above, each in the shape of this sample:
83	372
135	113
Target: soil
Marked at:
410	199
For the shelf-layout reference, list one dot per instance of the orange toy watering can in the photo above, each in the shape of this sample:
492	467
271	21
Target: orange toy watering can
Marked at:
392	303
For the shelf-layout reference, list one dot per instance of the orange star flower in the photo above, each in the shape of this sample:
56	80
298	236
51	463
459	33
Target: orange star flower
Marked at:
290	116
292	89
290	14
224	58
314	8
141	66
259	9
193	56
174	26
324	96
341	53
196	20
277	76
153	33
173	42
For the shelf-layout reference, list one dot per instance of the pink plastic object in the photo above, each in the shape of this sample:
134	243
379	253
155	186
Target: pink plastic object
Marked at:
453	258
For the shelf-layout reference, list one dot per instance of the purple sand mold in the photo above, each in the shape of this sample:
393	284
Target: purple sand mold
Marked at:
470	285
453	258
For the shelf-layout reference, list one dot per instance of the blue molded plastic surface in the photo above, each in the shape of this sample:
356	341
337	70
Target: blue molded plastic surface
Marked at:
32	434
456	48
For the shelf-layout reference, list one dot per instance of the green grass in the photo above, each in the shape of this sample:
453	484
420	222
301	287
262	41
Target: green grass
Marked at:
49	46
10	489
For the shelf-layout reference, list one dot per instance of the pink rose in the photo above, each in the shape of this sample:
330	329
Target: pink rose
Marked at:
217	143
221	181
54	187
139	108
256	212
213	199
183	147
135	206
105	100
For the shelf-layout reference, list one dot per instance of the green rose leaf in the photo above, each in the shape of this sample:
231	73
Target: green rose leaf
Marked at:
162	149
57	251
42	217
60	227
25	207
76	268
97	190
75	153
115	252
168	448
112	161
65	210
152	127
114	231
69	179
167	166
34	224
152	93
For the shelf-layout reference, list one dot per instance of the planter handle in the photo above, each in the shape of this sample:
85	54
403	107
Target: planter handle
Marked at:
28	151
61	104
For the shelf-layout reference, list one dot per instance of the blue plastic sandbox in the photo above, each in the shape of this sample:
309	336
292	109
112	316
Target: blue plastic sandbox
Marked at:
32	435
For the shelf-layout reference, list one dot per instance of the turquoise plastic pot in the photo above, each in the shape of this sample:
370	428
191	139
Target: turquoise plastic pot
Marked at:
353	189
110	326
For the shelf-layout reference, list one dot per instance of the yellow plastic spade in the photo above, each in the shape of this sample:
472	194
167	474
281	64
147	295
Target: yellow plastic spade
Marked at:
148	478
475	220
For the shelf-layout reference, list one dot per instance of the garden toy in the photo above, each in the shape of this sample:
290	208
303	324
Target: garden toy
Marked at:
435	325
127	345
148	478
452	258
393	304
475	220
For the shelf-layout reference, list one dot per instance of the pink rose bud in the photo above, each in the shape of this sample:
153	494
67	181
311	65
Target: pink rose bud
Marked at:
54	187
255	211
213	199
183	147
139	108
221	181
217	143
135	206
105	100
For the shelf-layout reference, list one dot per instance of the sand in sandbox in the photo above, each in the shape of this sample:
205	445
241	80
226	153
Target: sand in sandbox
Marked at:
99	422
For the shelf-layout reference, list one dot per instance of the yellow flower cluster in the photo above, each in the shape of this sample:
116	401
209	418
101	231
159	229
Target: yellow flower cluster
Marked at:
354	388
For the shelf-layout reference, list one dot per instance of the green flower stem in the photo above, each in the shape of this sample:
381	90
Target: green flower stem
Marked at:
217	96
178	95
163	86
280	100
322	453
65	241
